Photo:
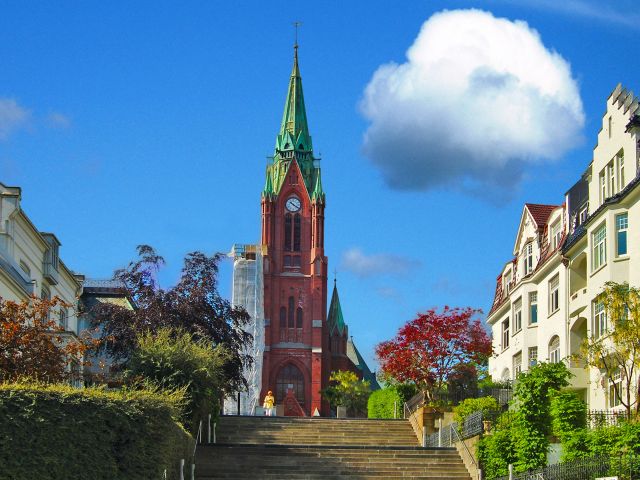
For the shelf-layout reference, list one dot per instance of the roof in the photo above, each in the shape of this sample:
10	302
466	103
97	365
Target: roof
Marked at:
540	213
335	319
358	361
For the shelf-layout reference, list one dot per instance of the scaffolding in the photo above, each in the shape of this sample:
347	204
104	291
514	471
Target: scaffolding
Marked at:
248	292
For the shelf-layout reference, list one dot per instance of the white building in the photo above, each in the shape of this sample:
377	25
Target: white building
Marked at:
546	300
29	262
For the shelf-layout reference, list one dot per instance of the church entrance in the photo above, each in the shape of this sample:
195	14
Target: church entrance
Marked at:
290	377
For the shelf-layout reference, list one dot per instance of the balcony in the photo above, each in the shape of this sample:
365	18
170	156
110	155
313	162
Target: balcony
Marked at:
578	303
580	379
50	273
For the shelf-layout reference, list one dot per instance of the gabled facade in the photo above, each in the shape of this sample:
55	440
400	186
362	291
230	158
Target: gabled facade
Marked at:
546	299
30	264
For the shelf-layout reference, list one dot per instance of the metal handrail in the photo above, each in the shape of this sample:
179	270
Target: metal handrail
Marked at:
455	430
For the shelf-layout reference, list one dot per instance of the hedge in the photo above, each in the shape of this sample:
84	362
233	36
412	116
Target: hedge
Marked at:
60	432
382	402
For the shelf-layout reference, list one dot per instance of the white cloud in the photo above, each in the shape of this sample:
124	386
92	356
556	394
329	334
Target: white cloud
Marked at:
478	99
12	117
58	120
363	265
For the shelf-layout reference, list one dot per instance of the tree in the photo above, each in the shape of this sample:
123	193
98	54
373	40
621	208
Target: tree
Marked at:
430	349
193	305
34	345
347	390
174	360
616	351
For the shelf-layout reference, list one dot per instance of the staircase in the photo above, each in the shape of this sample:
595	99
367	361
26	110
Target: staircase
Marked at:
319	448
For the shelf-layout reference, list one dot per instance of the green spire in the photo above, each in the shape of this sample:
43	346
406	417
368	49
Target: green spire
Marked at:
268	185
294	130
318	193
335	320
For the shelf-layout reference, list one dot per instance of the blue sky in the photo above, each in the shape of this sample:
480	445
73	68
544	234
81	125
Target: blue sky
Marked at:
149	122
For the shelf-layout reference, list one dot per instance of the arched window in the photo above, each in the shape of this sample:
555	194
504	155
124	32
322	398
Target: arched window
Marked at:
554	350
283	317
296	233
290	377
291	312
299	318
287	232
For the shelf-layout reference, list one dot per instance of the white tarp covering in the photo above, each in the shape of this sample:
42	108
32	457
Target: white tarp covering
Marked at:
248	291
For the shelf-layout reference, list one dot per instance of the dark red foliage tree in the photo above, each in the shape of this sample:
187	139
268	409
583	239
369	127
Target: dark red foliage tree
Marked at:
193	305
434	347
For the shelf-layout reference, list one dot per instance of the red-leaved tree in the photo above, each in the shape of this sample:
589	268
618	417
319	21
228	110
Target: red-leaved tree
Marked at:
434	347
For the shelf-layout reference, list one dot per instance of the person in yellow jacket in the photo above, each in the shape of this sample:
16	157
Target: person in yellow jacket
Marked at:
269	402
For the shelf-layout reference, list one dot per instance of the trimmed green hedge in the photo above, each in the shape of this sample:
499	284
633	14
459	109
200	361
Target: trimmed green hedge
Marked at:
381	403
59	432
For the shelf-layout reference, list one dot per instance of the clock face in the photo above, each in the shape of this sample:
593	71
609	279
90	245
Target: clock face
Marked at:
293	204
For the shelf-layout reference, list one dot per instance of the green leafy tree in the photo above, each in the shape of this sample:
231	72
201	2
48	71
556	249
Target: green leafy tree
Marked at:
616	351
347	390
533	392
487	405
175	359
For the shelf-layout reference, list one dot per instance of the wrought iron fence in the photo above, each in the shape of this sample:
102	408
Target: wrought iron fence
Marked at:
624	467
604	418
448	435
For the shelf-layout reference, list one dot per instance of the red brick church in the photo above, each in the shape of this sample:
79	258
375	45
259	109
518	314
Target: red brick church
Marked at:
302	343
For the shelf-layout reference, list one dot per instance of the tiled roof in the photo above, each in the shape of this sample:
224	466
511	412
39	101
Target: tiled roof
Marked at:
540	213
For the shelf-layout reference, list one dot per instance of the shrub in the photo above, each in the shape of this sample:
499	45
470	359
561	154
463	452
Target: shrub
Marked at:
498	450
487	405
382	403
173	359
568	414
55	431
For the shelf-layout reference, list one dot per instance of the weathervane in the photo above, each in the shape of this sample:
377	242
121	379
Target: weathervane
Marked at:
296	24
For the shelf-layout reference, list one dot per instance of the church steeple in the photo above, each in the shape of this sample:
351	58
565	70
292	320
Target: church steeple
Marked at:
294	130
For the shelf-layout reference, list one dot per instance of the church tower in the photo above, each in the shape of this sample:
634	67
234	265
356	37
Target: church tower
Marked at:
296	352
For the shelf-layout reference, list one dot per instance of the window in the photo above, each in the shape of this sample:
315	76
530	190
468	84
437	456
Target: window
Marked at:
62	319
533	356
291	312
554	350
290	377
599	319
603	187
25	268
599	254
609	129
517	364
611	176
615	390
533	308
584	213
517	316
507	283
621	183
554	294
556	234
299	317
528	258
505	334
283	317
292	226
622	224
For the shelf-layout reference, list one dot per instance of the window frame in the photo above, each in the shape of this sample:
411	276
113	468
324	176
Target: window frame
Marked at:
622	230
505	334
533	301
528	258
517	316
554	350
599	255
600	321
554	294
517	364
532	357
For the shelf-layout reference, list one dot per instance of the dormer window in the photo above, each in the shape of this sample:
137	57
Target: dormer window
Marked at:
528	258
556	234
506	283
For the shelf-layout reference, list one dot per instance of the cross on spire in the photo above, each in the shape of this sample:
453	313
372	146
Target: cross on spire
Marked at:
296	25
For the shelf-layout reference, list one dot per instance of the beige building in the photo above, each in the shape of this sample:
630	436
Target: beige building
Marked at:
546	300
30	262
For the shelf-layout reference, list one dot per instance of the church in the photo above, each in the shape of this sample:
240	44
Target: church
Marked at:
282	282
